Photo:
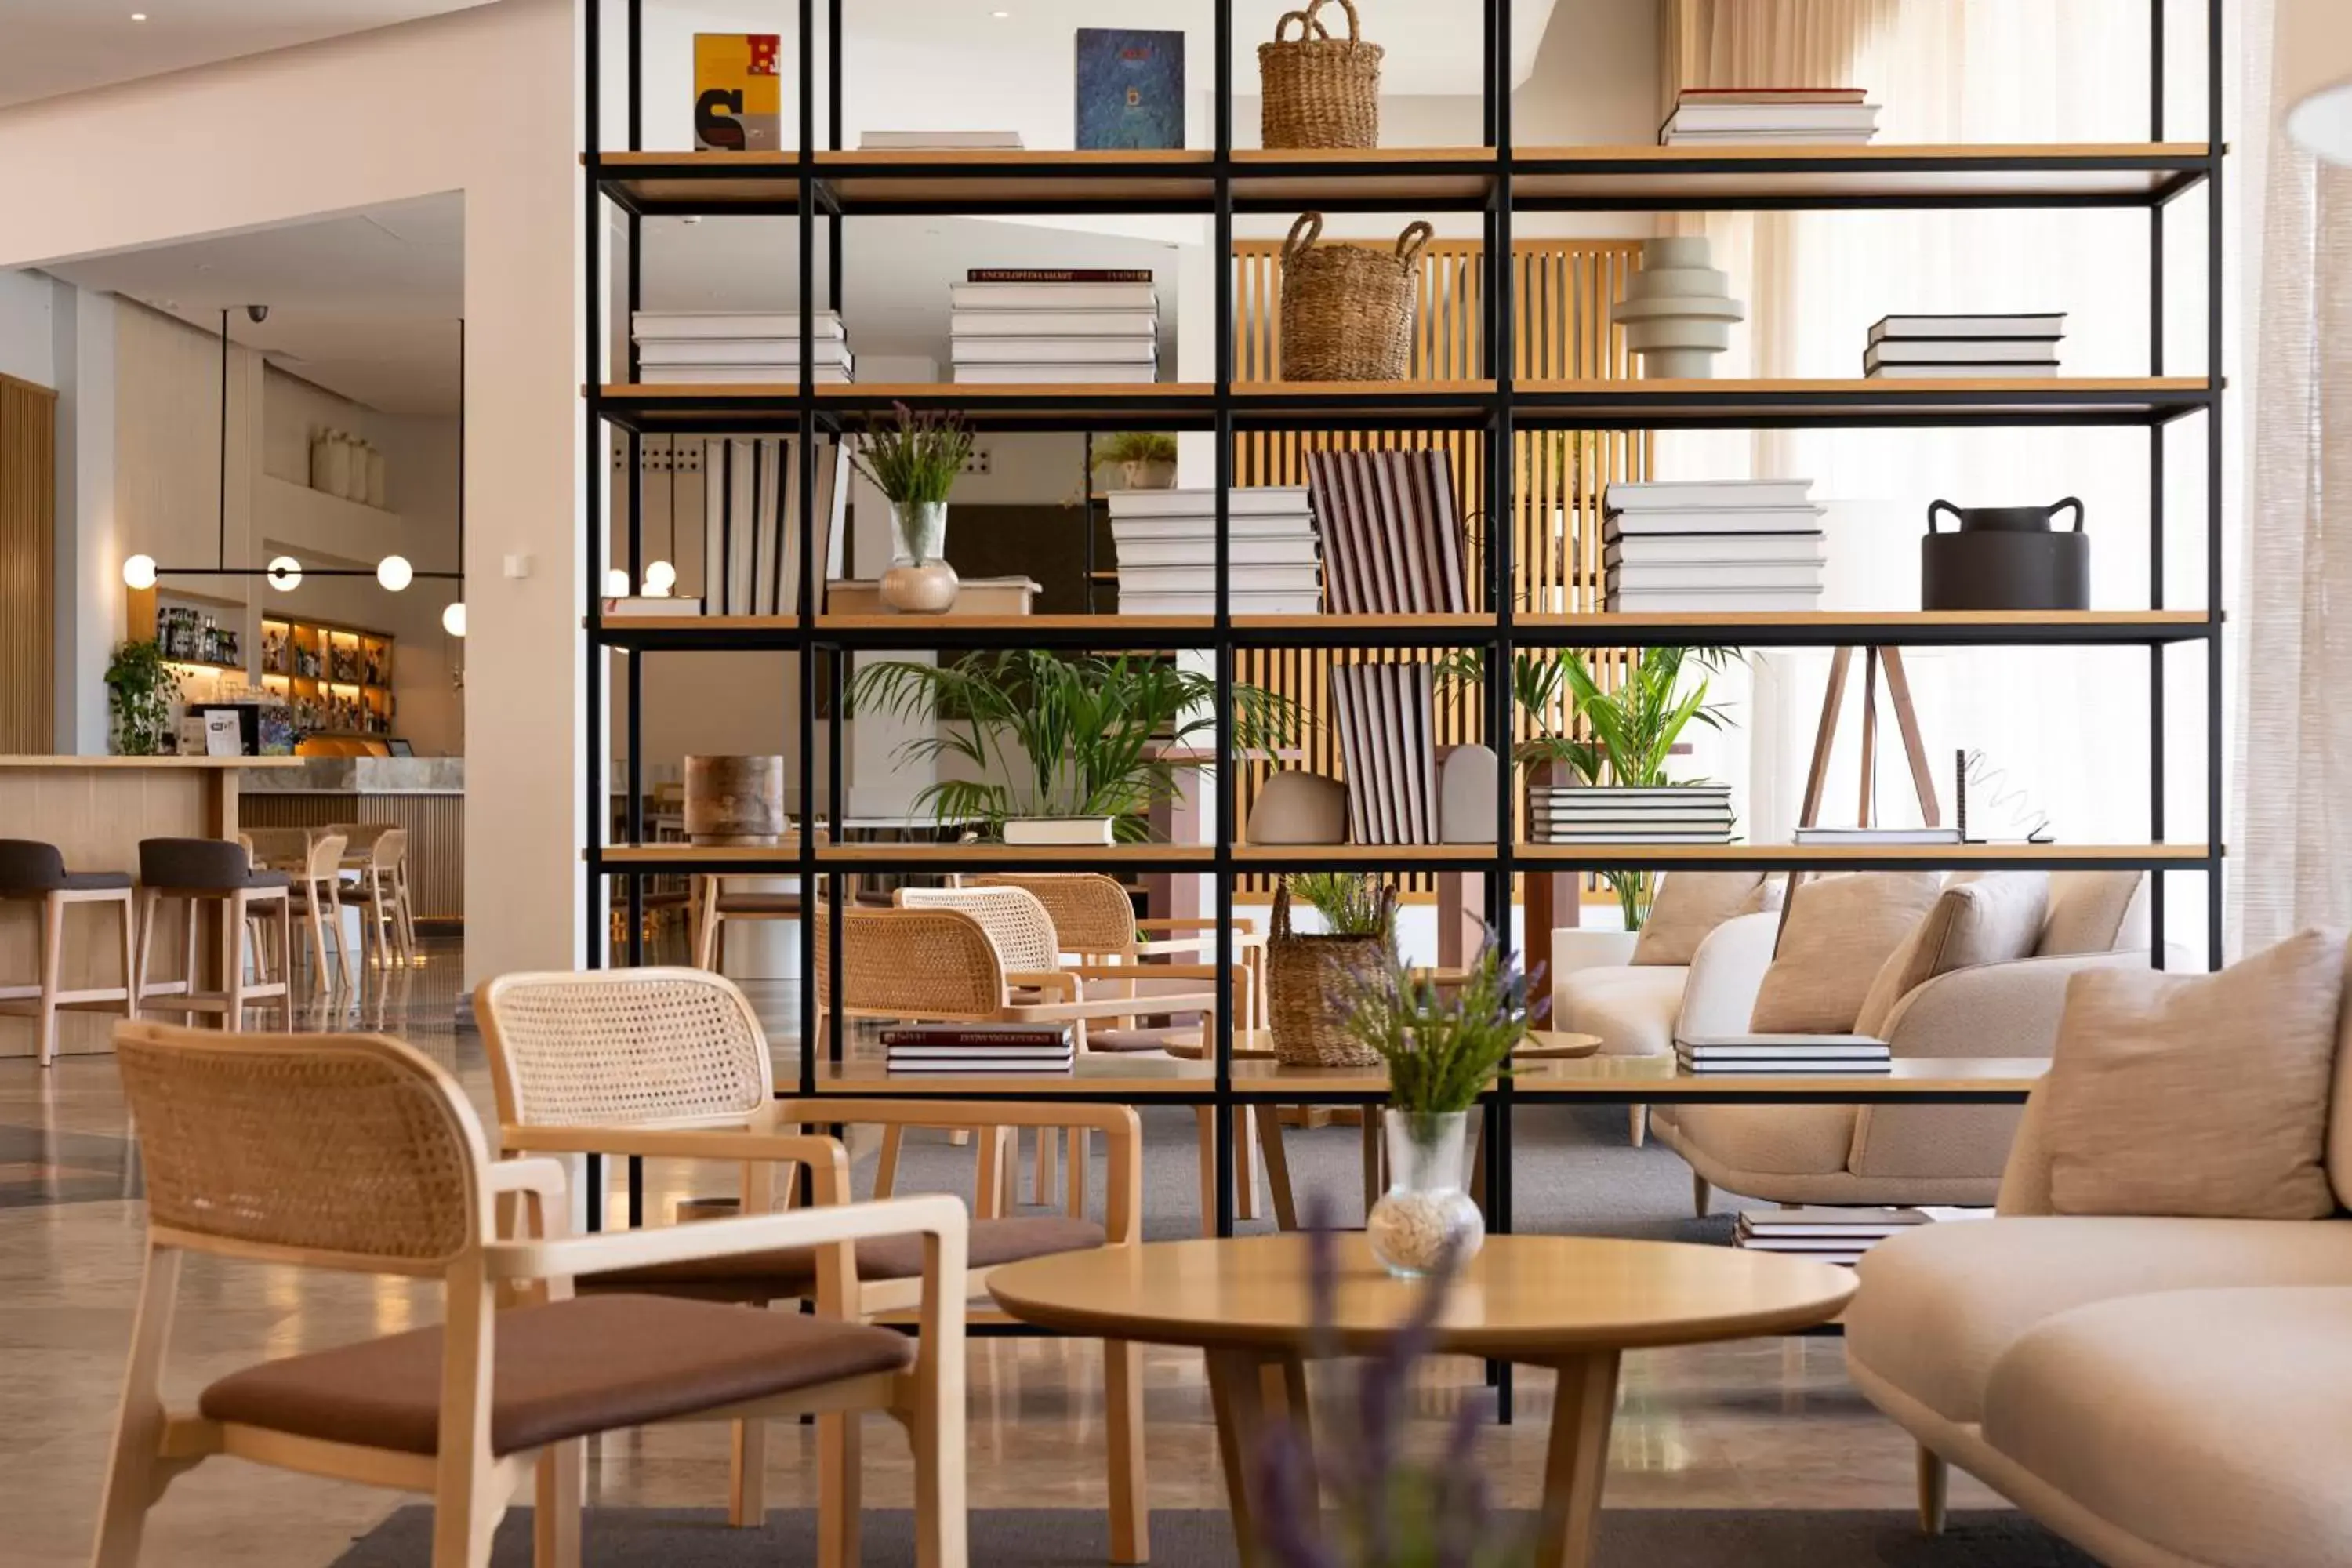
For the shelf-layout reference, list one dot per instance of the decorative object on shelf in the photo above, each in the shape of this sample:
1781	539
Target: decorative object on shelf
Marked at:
1130	89
1347	310
1294	806
1088	325
141	688
1070	735
1308	976
1146	459
738	92
735	800
753	515
1769	117
1386	718
1907	720
1748	545
1391	532
913	460
1442	1051
1061	829
1166	545
2005	558
2001	813
1467	785
1676	312
1933	347
1317	91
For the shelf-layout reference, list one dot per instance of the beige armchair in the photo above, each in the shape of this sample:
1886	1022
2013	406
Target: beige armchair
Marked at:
1832	1154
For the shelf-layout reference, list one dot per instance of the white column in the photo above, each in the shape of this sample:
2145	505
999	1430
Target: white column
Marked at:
89	556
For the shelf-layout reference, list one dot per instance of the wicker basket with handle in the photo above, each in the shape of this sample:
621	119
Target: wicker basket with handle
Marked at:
1308	979
1318	90
1347	310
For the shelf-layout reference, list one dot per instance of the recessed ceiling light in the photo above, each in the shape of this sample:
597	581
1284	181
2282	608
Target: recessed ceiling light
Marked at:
1002	16
137	15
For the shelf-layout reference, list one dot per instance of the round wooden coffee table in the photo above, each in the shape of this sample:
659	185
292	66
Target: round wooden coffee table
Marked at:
1571	1303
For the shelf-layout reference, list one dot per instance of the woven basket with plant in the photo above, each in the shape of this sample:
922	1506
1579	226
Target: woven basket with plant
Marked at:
1318	90
1347	310
1308	976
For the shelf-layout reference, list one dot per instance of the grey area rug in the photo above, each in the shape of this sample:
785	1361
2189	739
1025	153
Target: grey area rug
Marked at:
1575	1174
1692	1538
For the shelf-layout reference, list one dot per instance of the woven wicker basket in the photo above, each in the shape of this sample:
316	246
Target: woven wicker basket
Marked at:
1306	978
1347	310
1318	90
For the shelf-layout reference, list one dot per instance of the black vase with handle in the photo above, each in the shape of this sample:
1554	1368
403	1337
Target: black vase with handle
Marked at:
2005	558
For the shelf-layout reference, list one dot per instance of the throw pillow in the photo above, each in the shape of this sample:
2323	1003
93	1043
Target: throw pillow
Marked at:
2087	910
1688	905
1836	933
1993	919
2196	1095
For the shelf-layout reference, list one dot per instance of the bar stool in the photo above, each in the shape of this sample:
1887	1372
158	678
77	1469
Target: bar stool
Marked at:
196	870
30	870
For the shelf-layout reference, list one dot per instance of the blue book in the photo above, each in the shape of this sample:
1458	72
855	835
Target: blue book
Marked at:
1130	89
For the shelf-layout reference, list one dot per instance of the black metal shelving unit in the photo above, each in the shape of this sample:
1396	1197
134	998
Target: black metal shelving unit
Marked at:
821	186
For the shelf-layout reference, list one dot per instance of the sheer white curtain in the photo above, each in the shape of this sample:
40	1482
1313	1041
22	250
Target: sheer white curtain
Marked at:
2068	729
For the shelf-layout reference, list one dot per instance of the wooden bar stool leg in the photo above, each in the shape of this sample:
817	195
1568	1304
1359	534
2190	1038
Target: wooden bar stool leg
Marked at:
129	908
193	970
886	1163
233	942
53	948
148	899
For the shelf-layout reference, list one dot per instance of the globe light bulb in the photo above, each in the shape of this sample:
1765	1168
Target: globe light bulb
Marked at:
285	574
453	619
394	572
660	578
139	571
616	583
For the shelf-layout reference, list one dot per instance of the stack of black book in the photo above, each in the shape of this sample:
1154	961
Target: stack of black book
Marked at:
1932	347
979	1048
1814	1054
1608	814
1823	1235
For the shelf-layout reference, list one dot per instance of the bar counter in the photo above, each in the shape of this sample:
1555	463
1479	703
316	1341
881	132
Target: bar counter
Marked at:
96	810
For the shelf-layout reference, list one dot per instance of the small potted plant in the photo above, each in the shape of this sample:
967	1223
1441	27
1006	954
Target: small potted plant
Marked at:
1146	459
1310	974
141	688
913	460
1443	1046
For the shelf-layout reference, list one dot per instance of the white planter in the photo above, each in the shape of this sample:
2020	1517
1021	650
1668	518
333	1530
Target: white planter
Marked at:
1058	829
1574	947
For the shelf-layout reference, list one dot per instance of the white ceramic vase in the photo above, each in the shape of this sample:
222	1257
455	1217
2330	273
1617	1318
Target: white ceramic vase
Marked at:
1676	312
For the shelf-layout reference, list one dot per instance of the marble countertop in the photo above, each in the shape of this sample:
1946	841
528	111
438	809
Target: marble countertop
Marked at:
361	775
27	760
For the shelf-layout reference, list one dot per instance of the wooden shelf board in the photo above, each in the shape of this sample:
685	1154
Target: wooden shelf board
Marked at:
622	623
1923	399
2120	171
915	624
1839	854
1403	854
1308	177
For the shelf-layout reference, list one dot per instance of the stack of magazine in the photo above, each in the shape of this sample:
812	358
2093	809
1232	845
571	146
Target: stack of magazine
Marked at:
735	348
1167	546
979	1048
1606	814
1832	1054
1054	324
1835	1235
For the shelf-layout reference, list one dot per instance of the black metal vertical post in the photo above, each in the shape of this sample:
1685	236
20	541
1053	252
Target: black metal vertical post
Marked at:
1501	458
1222	256
223	512
2155	496
596	444
2214	215
810	560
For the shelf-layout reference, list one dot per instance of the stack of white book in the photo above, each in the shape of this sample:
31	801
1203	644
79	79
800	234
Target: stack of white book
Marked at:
1768	116
1911	347
1712	545
1609	813
1816	1054
1095	326
735	347
979	1048
1823	1235
1877	836
1165	543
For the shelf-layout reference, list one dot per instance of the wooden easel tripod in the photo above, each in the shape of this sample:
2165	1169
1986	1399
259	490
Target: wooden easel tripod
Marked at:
1906	721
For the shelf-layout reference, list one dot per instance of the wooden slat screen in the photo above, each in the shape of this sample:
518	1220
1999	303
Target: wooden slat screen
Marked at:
1564	289
28	501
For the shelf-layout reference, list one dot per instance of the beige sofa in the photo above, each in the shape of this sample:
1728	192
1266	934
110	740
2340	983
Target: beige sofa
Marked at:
2164	1392
1911	1154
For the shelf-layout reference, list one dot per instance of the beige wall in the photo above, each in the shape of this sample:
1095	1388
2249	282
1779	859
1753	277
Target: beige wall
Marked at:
481	102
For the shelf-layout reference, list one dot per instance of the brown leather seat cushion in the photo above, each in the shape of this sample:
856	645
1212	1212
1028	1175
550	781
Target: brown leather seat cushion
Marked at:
564	1370
792	1271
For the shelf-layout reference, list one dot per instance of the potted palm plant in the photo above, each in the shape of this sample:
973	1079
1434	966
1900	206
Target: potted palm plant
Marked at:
913	460
1061	748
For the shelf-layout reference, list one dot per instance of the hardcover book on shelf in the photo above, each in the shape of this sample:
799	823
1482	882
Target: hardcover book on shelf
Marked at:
752	519
2001	372
738	92
1708	495
1392	532
1715	549
1287	549
779	376
1030	324
1285	501
783	352
1142	350
1632	576
1830	116
1056	374
1877	836
1114	296
733	326
2049	327
1685	602
1130	89
1961	350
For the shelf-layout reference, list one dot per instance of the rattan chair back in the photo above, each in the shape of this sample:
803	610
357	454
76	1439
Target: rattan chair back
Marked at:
344	1150
937	964
1024	932
1092	913
624	1048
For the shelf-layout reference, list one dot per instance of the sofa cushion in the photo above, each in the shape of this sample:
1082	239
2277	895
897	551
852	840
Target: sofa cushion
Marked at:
1994	919
2198	1095
1768	1140
1630	1007
1939	1305
1836	933
2211	1425
2087	911
1689	905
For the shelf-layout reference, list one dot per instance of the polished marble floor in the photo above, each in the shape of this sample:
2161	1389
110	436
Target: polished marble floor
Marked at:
1760	1424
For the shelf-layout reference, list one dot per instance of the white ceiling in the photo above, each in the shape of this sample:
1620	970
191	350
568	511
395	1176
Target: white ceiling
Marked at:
53	47
364	304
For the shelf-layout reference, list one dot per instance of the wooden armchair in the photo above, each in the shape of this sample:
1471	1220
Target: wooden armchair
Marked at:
356	1152
672	1063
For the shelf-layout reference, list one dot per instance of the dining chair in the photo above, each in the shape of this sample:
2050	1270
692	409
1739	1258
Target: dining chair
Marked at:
358	1154
672	1063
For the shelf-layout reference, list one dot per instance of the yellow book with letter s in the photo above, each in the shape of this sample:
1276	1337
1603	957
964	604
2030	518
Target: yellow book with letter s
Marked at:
738	94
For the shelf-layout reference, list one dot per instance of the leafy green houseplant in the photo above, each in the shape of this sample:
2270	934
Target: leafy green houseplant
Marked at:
1442	1045
1146	458
1054	735
1352	903
140	690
